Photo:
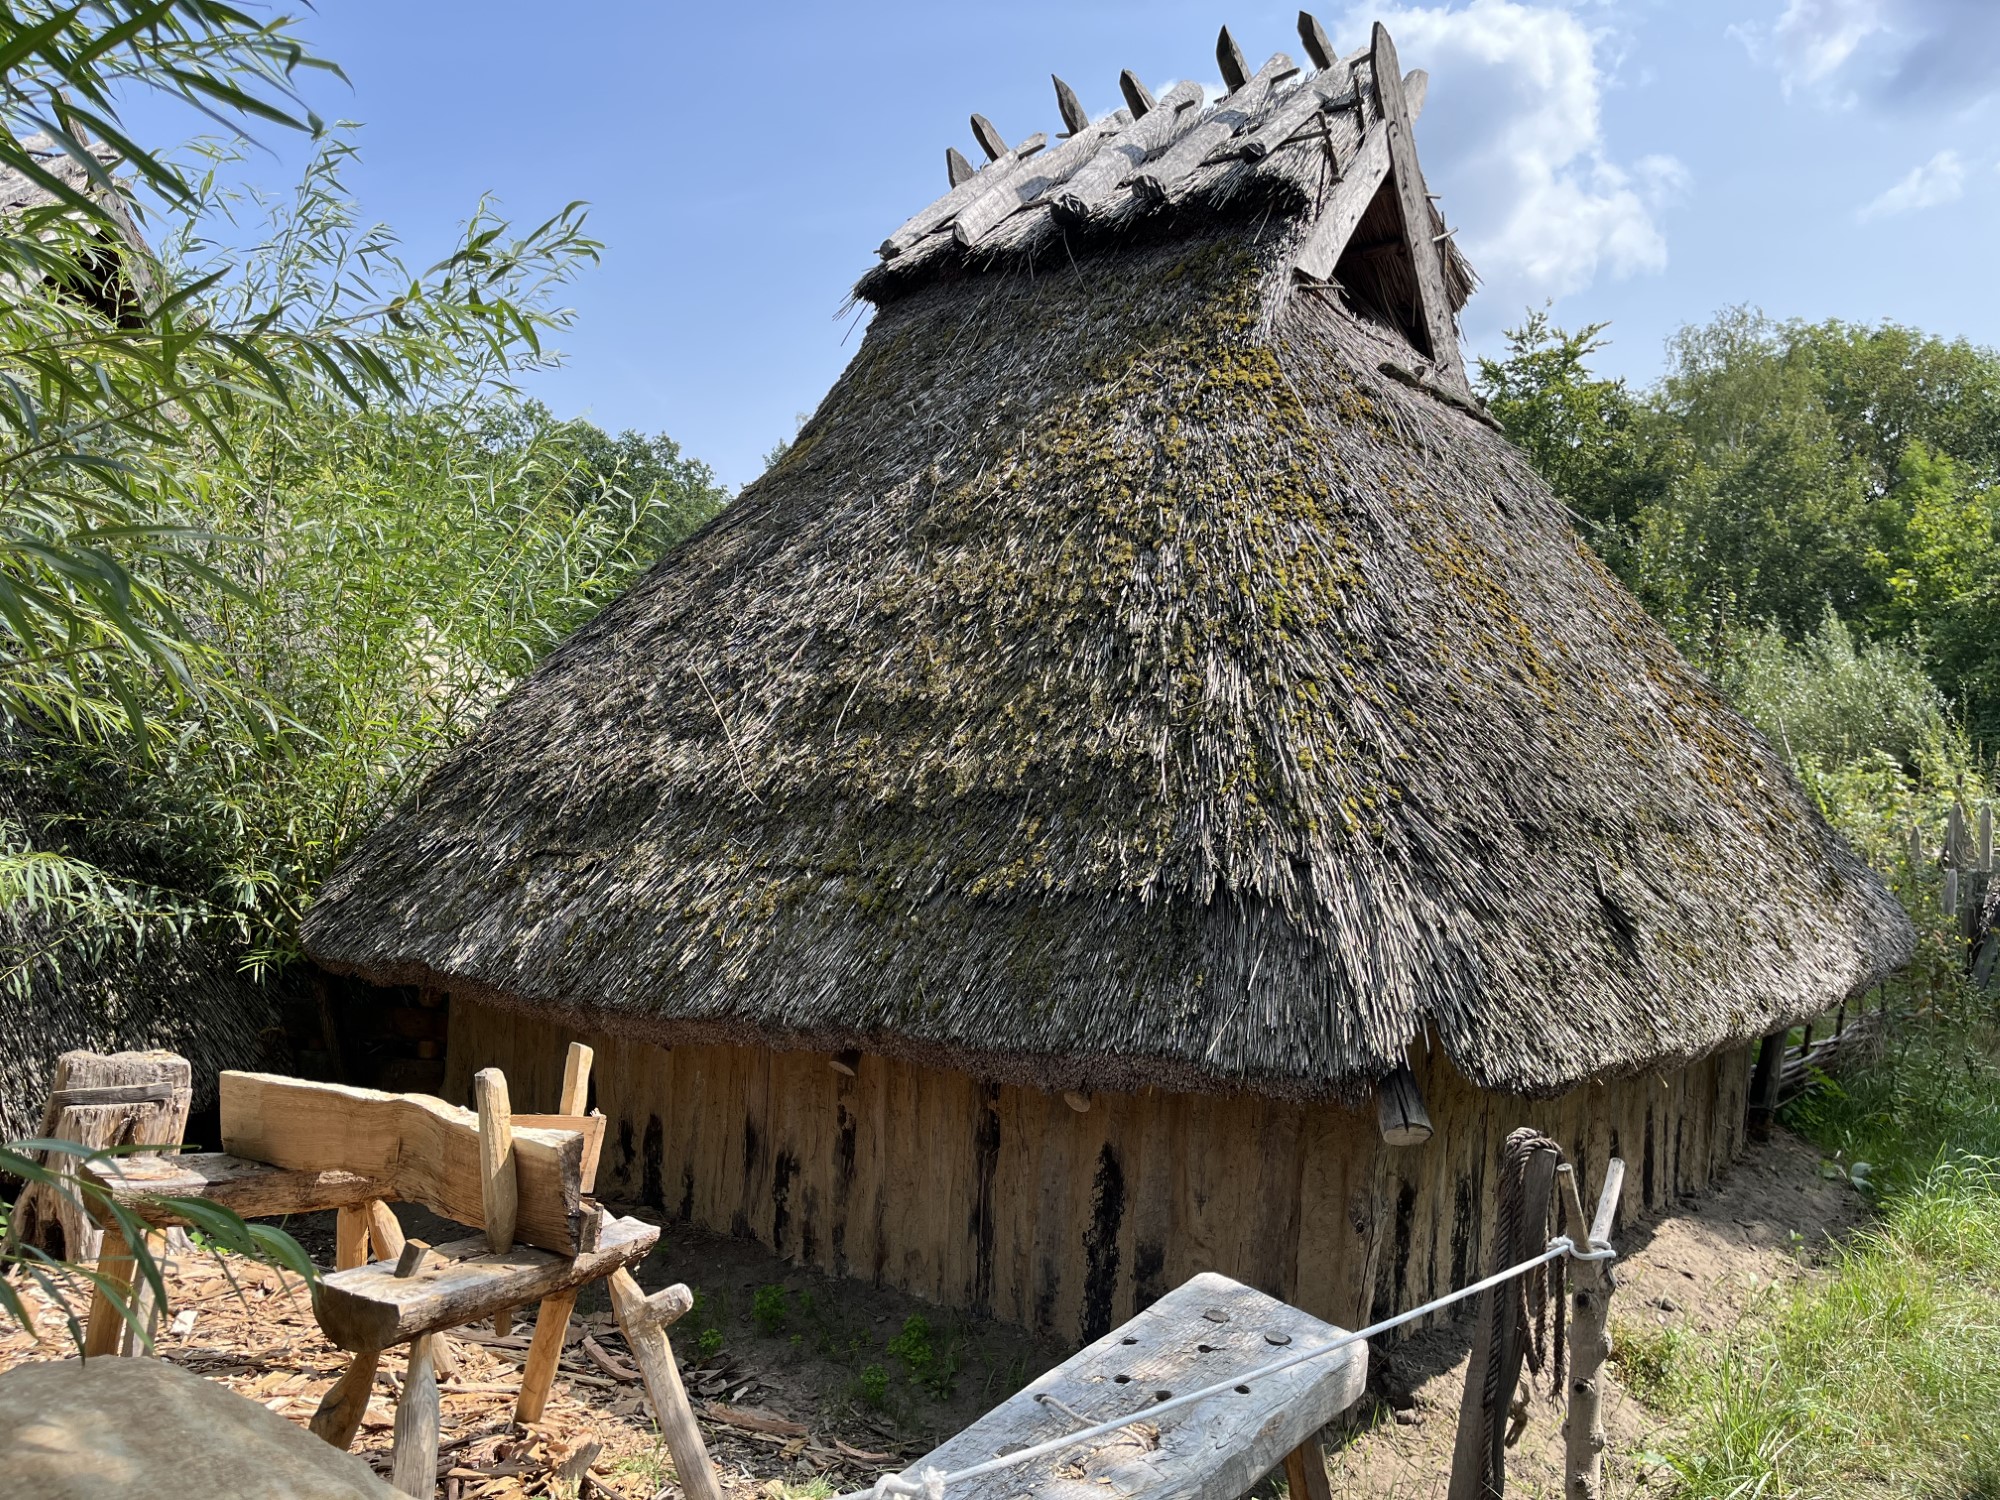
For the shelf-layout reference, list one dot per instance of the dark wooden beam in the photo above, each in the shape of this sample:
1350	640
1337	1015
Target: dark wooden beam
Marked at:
988	135
1317	46
956	167
1434	316
1075	117
1138	97
1229	57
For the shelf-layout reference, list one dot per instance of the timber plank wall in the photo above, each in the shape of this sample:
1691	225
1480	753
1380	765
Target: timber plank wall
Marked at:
1006	1202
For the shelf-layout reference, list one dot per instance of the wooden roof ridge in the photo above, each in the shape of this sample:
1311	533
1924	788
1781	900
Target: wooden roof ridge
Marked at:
1323	137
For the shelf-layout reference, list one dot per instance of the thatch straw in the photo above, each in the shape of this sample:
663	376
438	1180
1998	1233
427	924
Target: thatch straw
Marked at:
1122	681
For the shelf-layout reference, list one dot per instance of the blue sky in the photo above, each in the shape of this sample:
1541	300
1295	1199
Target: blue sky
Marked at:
1636	161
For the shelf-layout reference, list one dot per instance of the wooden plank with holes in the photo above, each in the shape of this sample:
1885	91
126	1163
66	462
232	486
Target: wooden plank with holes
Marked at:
1202	1333
422	1149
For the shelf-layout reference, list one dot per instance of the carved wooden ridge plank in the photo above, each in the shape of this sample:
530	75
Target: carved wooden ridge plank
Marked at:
1203	1331
422	1149
1433	302
1360	179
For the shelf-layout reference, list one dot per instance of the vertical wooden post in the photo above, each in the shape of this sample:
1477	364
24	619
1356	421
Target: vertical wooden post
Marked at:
1591	1285
1305	1471
350	1237
496	1158
415	1446
552	1318
105	1332
644	1330
1764	1084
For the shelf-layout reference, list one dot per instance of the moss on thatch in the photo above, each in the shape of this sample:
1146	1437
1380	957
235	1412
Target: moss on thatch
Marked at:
1123	681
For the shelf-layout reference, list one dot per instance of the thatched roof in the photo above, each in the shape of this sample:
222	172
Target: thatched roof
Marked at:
1143	669
122	280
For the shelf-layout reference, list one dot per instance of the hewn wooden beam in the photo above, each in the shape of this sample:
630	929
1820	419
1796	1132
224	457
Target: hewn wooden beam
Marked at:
373	1308
252	1189
418	1149
956	168
1434	314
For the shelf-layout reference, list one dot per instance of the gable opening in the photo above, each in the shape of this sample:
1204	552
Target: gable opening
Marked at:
1376	275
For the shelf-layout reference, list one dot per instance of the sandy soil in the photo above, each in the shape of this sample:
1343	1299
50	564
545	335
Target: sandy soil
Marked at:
830	1382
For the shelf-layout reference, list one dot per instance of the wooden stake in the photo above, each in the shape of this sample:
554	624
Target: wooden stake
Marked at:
988	135
385	1234
105	1333
1591	1285
552	1317
1229	58
538	1375
346	1400
1986	838
1138	98
1305	1471
415	1446
496	1158
641	1321
1074	116
416	1438
1318	47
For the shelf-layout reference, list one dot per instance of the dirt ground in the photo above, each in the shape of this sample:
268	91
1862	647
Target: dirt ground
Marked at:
801	1380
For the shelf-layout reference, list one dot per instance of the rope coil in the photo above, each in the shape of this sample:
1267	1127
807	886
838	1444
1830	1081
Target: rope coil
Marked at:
931	1485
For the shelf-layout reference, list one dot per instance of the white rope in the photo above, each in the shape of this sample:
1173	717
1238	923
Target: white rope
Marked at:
933	1482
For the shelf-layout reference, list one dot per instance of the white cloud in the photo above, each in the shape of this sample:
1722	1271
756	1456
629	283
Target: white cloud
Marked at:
1513	135
1903	54
1939	180
1813	39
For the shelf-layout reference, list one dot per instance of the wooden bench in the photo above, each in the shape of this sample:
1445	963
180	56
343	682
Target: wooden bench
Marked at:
1202	1333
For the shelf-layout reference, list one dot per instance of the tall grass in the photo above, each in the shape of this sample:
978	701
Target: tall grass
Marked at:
1880	1378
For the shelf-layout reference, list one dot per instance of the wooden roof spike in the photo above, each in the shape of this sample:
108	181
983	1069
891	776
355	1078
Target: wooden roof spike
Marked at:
1076	119
1137	96
1229	57
1434	314
956	167
988	135
1317	46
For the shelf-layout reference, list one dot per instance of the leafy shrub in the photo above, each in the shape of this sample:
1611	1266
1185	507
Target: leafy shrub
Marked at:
769	1306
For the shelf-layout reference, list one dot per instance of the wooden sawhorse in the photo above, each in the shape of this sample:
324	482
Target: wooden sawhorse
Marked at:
312	1147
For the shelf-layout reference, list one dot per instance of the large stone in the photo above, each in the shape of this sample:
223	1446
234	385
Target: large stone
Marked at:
109	1429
